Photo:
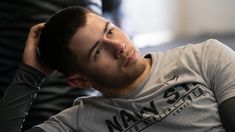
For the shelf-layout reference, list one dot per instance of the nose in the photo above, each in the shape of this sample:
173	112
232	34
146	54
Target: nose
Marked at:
115	47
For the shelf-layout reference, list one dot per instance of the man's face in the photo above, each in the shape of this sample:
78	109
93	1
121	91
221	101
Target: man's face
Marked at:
106	55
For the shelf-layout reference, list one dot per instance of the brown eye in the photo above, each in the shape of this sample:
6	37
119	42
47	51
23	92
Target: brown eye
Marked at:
110	32
98	50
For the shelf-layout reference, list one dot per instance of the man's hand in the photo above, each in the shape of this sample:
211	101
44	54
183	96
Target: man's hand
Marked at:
30	56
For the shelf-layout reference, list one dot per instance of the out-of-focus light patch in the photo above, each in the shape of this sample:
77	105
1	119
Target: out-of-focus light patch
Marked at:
152	39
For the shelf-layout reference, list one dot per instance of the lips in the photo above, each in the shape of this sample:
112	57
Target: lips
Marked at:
130	58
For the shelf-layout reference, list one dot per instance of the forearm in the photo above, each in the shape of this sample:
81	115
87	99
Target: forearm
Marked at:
18	97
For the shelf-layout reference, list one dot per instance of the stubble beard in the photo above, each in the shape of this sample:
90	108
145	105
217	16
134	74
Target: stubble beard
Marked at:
122	82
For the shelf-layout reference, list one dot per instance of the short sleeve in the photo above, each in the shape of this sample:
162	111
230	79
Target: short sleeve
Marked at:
65	121
219	69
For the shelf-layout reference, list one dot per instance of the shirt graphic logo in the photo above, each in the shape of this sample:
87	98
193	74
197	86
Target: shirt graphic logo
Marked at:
177	99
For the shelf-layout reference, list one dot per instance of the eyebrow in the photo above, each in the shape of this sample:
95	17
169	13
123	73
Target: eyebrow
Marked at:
95	45
106	27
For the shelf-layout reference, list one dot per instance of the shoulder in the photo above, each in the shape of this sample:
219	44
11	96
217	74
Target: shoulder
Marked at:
210	48
212	45
215	44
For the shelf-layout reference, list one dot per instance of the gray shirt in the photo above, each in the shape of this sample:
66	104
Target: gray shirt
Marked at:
181	93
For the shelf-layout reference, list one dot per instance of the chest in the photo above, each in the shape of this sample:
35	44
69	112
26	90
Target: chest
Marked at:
187	106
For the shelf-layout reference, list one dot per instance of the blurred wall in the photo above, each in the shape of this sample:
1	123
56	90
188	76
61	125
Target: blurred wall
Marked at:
145	16
181	17
195	17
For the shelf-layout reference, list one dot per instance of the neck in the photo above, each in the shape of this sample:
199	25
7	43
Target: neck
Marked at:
133	86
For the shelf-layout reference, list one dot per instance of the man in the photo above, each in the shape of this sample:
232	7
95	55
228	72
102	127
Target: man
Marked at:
16	19
189	88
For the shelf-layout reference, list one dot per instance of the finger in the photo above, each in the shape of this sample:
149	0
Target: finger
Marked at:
35	30
34	34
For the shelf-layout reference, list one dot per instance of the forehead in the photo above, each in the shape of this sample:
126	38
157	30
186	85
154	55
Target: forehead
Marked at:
93	23
87	35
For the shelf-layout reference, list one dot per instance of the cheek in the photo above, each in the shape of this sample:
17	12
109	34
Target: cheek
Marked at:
107	62
106	66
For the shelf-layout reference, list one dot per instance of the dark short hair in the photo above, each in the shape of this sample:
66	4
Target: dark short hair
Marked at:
56	35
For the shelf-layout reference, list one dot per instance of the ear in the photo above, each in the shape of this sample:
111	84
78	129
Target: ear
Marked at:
77	80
